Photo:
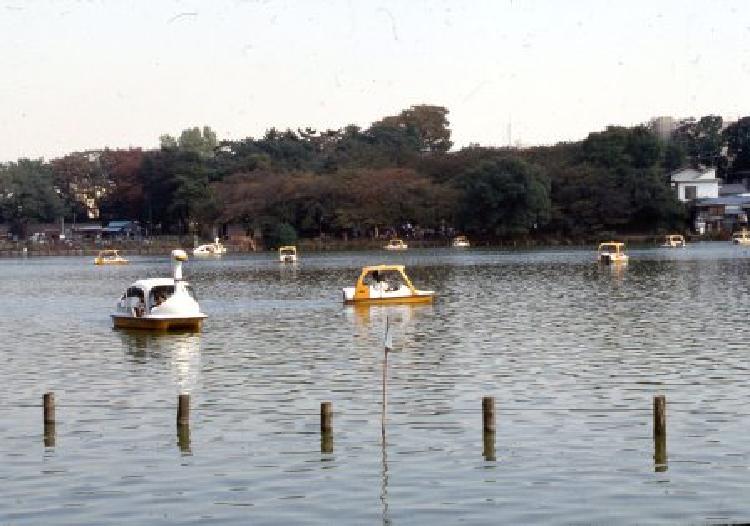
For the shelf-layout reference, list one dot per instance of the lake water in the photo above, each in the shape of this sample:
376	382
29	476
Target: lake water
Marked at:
573	353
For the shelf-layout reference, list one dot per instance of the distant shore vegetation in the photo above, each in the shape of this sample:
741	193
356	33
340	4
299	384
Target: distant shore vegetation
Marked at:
397	177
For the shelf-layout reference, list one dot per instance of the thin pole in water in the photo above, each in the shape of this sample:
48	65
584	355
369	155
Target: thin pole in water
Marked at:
660	433
387	346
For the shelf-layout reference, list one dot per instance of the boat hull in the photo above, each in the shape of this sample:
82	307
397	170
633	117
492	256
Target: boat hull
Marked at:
158	324
606	259
403	299
105	262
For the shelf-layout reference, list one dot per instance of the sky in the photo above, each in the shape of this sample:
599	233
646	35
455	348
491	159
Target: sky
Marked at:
80	75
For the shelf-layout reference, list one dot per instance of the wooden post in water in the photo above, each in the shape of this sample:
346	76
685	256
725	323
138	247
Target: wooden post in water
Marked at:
326	427
660	433
488	413
183	422
488	428
183	410
48	402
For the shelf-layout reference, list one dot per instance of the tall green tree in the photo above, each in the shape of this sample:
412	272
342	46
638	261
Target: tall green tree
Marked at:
737	136
176	191
28	194
428	123
701	140
196	140
505	197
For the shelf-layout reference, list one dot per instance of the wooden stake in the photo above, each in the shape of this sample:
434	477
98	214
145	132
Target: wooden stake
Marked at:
183	410
326	417
660	416
660	433
326	427
488	413
48	401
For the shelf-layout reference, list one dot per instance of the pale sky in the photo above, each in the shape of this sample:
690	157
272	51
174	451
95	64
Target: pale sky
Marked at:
78	75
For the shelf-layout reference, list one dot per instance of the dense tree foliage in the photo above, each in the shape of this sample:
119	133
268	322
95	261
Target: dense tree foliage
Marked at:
396	176
737	136
505	196
700	140
28	193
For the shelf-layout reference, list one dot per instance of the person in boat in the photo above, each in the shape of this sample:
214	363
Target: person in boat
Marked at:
140	308
378	282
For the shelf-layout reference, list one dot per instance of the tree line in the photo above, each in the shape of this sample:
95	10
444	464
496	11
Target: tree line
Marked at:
397	176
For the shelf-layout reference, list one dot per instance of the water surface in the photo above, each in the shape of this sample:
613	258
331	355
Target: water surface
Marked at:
573	353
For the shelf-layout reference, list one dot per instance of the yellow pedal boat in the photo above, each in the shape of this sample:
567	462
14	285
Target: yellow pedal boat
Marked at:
385	284
110	257
612	252
674	241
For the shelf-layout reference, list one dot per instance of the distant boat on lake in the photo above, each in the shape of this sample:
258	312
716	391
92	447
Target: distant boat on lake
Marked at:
396	244
612	252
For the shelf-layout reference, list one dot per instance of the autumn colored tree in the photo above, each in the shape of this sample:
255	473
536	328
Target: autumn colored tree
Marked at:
81	182
125	196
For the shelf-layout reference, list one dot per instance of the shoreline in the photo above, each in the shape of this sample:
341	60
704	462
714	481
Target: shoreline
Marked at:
22	250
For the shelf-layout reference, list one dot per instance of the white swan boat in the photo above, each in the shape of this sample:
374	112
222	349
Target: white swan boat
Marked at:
210	249
160	303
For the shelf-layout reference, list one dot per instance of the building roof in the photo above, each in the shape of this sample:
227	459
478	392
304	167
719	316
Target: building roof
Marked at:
693	175
736	200
732	189
119	224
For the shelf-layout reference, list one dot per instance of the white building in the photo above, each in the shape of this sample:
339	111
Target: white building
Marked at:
691	184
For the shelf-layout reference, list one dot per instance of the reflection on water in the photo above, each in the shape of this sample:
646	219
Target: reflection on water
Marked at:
572	352
400	316
182	351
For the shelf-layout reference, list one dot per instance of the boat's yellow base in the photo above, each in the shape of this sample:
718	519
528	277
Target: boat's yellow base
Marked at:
389	301
158	324
104	262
